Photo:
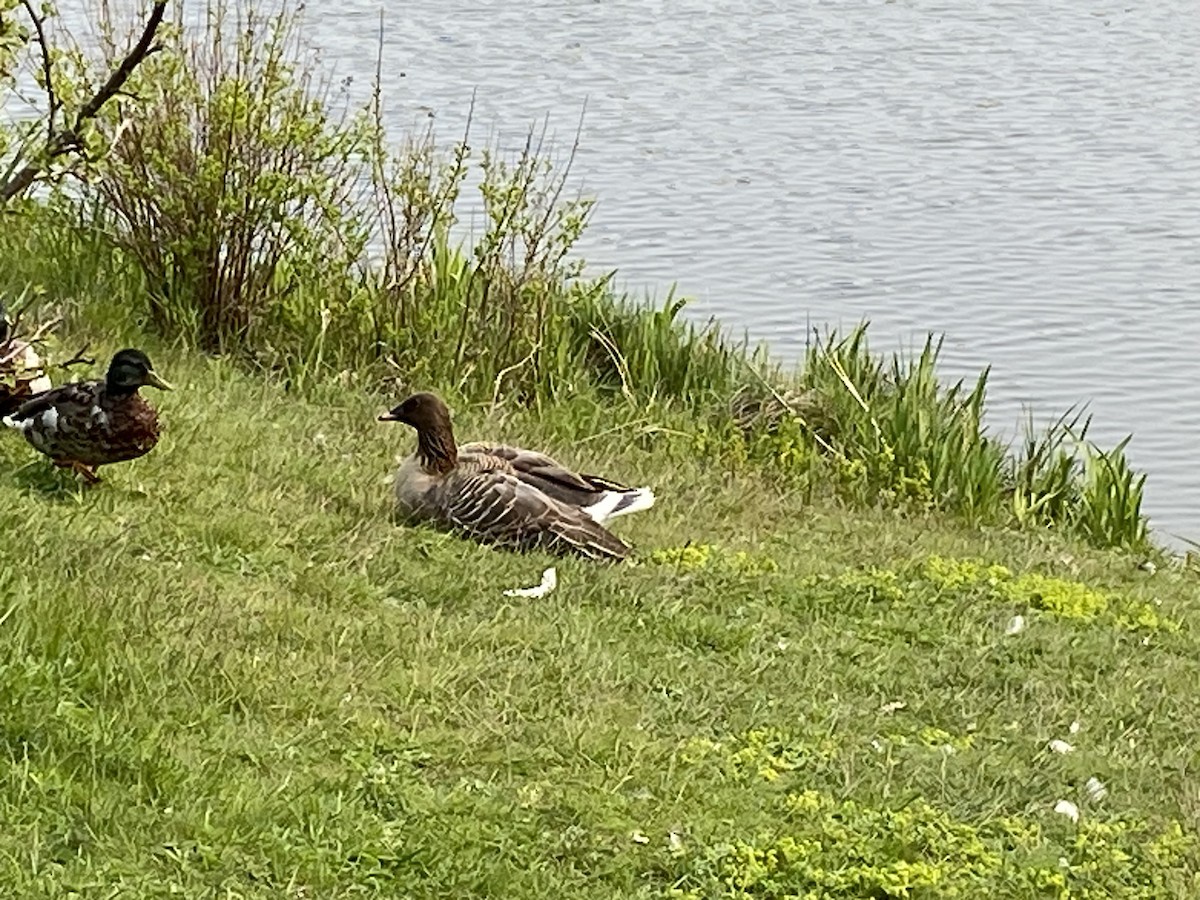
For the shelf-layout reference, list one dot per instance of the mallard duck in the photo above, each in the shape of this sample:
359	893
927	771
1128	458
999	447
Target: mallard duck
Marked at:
506	495
93	423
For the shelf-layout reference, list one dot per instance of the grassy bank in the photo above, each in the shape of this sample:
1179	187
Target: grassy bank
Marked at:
233	201
228	673
871	429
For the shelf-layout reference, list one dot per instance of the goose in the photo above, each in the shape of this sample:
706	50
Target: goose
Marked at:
88	424
506	495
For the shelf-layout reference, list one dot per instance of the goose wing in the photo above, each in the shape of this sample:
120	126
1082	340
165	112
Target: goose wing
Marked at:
547	474
497	505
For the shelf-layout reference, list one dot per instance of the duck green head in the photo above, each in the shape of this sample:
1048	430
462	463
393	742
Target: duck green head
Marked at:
130	370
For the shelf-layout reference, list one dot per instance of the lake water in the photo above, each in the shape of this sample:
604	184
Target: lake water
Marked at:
1022	177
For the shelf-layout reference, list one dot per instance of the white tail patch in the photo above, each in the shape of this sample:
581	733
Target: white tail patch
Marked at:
48	421
619	503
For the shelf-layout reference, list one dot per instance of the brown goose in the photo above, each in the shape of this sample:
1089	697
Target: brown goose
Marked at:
506	495
93	423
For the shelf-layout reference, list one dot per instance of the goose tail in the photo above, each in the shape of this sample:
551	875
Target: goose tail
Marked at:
619	503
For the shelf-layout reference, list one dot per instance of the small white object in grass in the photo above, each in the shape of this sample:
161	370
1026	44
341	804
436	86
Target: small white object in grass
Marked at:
32	362
782	644
549	583
892	707
876	746
1074	729
1015	625
1068	809
675	842
639	838
40	384
1096	789
1060	746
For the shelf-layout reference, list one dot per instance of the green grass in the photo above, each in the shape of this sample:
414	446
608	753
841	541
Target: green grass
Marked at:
227	672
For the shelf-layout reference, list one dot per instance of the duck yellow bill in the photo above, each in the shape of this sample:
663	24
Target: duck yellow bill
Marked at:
155	380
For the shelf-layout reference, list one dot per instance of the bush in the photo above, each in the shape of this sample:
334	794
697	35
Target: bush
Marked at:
230	182
266	225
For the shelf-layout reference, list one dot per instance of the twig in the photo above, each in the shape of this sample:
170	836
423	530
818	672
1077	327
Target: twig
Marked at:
55	104
17	346
500	375
143	48
44	329
61	142
78	359
618	359
644	427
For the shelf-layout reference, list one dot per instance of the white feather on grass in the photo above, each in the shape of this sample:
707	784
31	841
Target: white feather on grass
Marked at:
549	583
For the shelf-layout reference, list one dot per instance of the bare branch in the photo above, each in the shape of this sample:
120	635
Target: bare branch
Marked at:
55	105
143	48
78	359
61	142
16	344
44	329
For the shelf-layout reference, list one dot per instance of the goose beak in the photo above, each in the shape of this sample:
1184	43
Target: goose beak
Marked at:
387	417
155	380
